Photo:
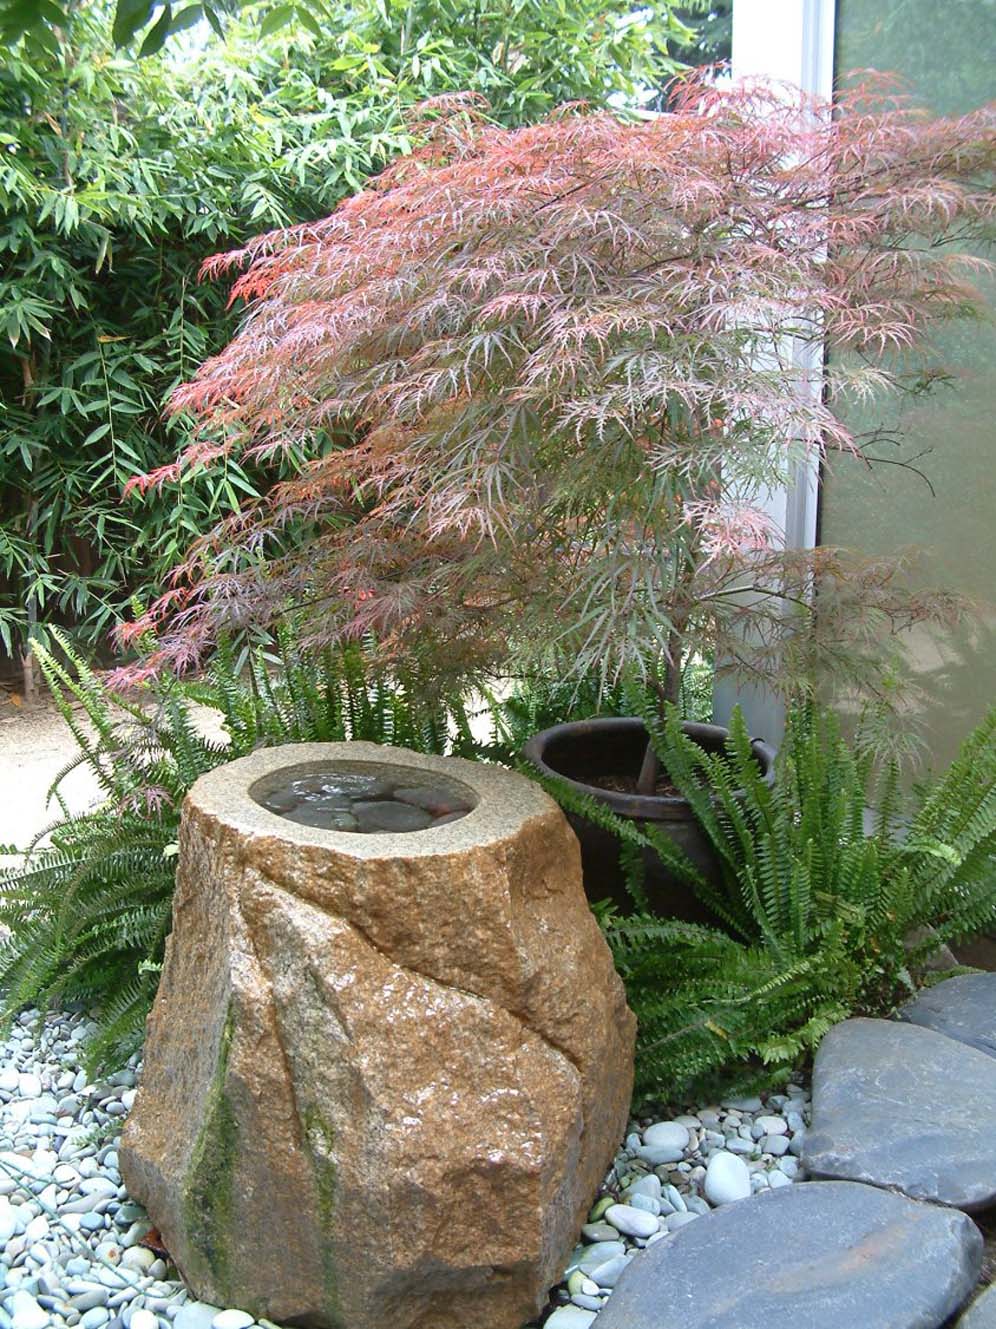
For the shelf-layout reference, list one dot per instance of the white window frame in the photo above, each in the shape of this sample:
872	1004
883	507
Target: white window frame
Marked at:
788	41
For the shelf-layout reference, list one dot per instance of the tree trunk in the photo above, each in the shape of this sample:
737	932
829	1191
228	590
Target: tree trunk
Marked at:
669	692
28	659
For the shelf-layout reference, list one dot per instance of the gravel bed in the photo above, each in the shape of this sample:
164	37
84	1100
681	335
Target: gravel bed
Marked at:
70	1238
667	1174
70	1251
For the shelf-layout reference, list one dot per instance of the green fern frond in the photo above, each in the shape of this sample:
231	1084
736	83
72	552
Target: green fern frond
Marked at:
821	907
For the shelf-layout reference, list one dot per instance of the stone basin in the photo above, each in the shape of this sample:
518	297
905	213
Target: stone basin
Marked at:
384	1073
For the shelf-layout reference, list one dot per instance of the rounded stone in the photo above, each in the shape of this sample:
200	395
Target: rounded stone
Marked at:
570	1317
437	802
609	1273
630	1221
771	1125
232	1320
143	1319
576	1282
963	1008
138	1257
657	1155
90	1300
650	1186
322	818
282	803
982	1312
847	1256
899	1105
195	1315
598	1232
338	1018
727	1179
25	1312
390	817
667	1135
675	1198
598	1253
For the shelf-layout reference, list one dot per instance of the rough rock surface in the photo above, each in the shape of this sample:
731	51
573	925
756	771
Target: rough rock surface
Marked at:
982	1312
384	1074
824	1255
902	1106
963	1008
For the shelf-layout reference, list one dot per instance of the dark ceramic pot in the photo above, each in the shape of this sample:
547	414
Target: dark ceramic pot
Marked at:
608	745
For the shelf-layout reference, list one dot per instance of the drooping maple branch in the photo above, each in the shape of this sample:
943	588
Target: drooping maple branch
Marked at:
472	350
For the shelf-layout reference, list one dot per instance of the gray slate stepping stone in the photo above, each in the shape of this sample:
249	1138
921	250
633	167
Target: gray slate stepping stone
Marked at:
964	1008
820	1255
901	1106
982	1312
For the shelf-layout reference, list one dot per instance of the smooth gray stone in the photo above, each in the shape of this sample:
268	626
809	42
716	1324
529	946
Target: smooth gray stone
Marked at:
599	1232
390	817
196	1315
982	1312
900	1106
437	802
847	1256
964	1008
322	818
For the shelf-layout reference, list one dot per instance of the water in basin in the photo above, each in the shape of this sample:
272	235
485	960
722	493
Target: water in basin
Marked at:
375	800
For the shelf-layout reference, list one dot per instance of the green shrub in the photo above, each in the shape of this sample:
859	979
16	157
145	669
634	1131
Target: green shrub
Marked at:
825	877
88	914
119	177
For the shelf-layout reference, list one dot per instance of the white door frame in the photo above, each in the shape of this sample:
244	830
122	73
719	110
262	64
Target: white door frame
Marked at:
789	41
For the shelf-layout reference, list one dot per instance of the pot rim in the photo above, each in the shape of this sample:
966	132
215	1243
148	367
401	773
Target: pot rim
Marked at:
636	807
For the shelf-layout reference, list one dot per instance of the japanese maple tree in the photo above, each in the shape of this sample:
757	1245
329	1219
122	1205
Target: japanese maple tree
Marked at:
543	375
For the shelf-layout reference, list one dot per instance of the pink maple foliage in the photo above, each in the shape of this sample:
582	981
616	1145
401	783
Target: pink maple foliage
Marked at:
541	375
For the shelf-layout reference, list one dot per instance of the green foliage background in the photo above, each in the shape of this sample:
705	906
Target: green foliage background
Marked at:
118	176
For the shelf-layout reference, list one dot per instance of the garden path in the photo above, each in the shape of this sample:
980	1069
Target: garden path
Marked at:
35	744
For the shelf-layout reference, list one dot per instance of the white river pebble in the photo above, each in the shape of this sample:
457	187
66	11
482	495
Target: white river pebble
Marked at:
232	1320
84	1267
631	1222
726	1179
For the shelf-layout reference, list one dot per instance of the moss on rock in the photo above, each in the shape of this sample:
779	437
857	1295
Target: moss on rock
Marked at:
319	1138
208	1197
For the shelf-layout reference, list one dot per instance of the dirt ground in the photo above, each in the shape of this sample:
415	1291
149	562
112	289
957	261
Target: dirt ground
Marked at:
35	745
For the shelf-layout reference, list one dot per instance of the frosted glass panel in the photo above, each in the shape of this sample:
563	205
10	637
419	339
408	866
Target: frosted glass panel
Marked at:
948	54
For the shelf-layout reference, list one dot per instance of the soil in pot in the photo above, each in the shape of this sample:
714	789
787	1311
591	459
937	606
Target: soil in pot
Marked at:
619	783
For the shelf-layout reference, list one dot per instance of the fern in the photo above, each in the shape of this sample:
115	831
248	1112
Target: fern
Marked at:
87	909
822	919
